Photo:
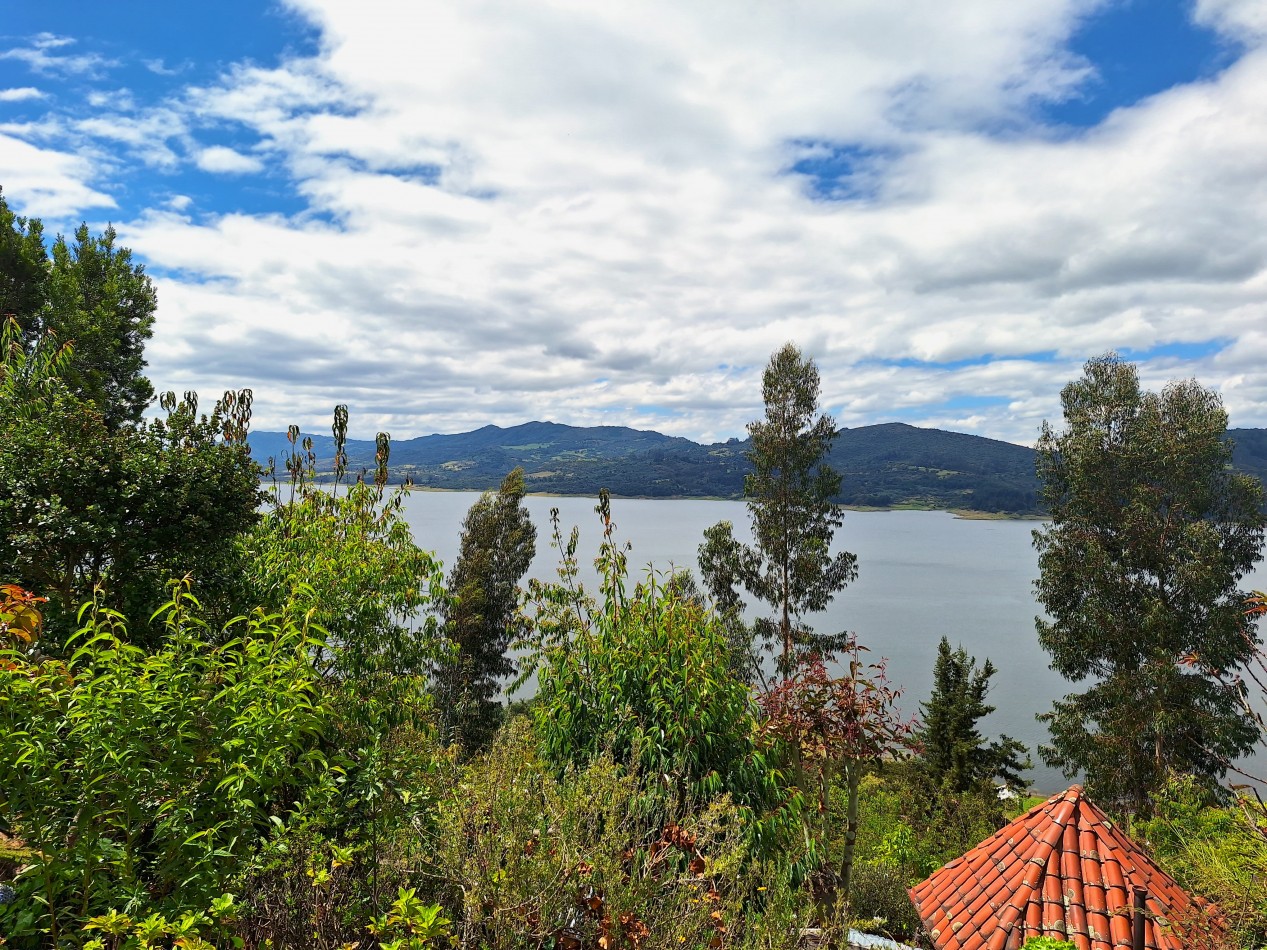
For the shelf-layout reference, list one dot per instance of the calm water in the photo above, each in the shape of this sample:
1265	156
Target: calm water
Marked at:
922	575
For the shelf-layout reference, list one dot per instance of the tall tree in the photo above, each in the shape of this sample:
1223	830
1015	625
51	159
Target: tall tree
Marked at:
23	266
90	294
789	494
956	755
1149	537
104	305
83	505
497	547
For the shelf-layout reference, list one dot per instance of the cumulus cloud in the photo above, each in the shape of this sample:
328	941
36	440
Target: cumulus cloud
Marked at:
20	94
225	161
603	213
46	183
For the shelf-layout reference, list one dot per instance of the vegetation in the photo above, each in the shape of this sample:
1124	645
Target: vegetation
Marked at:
482	619
85	505
1149	535
955	753
87	294
226	727
790	568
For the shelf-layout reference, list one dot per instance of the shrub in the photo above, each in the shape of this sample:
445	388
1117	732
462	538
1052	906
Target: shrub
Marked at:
143	782
530	857
646	680
1212	851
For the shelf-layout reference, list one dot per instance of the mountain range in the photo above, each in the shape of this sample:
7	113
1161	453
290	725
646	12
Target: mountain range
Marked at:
883	466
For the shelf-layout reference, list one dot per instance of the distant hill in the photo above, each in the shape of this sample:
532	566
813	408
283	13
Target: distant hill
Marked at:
883	466
1249	453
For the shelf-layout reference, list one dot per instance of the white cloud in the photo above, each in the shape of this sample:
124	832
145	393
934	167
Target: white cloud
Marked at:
46	183
20	94
583	212
225	161
41	57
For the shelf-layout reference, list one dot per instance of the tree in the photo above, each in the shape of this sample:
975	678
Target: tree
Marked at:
497	547
955	753
790	494
89	294
23	265
83	504
837	724
1150	533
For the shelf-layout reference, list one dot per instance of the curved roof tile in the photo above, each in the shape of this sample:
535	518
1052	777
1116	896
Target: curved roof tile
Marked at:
1063	869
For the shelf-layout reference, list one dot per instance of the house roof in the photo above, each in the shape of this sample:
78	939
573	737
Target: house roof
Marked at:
1065	870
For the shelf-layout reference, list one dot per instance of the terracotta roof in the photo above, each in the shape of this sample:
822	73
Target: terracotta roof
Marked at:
1063	869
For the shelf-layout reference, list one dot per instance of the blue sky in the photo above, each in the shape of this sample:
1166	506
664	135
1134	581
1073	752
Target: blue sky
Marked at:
454	214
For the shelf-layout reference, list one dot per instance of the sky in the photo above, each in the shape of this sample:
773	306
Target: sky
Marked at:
454	214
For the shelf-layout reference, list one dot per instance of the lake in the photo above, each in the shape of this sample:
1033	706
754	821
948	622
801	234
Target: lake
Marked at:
922	575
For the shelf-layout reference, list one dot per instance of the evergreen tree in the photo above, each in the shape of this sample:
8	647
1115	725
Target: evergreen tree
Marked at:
498	544
89	294
956	755
1150	534
790	494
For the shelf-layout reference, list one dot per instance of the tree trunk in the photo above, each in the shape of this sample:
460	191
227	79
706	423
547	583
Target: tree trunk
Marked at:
853	777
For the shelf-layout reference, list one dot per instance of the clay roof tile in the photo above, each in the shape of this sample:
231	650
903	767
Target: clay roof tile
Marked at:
1063	869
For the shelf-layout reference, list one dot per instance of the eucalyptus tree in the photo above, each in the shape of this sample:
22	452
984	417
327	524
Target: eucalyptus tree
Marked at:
1151	533
790	496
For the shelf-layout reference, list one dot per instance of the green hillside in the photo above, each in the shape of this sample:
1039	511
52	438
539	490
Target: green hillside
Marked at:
884	466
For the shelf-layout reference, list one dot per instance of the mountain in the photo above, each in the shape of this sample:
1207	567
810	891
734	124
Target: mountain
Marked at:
1249	452
883	466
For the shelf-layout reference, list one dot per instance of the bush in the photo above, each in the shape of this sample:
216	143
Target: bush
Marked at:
144	782
879	902
646	680
1210	849
529	857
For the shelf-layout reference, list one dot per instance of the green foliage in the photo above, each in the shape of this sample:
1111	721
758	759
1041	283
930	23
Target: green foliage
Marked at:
954	751
23	264
88	294
790	492
414	924
144	781
482	619
83	505
879	902
349	562
1149	536
1212	850
191	930
644	677
535	857
908	827
1048	943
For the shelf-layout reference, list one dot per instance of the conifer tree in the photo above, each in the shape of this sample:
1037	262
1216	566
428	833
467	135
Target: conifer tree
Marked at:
956	755
497	547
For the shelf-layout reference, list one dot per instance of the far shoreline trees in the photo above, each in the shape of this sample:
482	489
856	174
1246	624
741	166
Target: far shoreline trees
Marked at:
1150	534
